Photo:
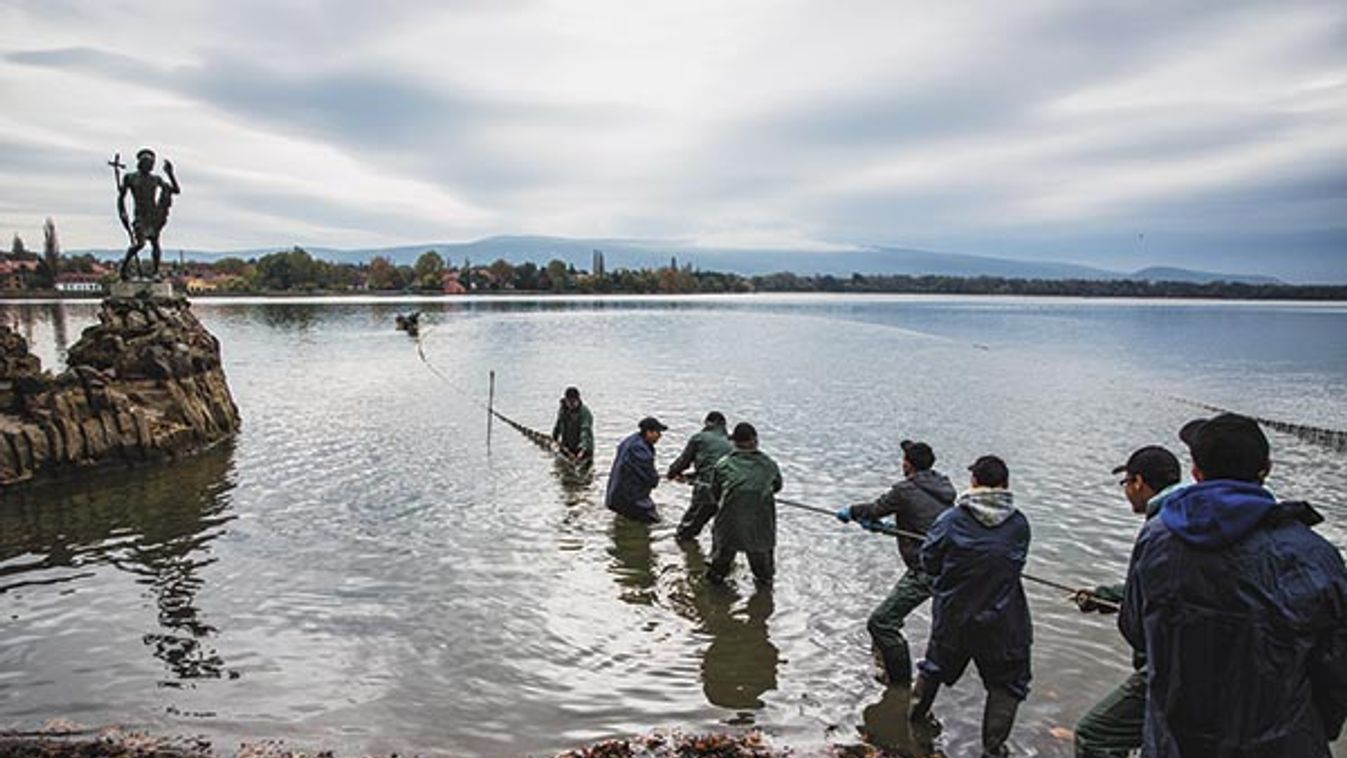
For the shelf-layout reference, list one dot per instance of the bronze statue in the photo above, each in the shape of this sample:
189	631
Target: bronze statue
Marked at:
153	197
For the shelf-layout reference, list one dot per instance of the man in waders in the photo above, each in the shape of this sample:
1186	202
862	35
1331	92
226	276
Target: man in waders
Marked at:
744	484
1240	608
976	552
916	501
633	475
704	449
1112	729
574	429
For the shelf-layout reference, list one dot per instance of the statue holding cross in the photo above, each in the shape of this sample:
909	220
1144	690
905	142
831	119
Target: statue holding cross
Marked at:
153	197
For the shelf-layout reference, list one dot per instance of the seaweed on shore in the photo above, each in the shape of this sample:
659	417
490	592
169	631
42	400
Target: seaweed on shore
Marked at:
752	744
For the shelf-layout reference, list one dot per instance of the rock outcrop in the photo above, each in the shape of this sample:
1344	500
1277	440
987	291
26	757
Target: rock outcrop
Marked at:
144	384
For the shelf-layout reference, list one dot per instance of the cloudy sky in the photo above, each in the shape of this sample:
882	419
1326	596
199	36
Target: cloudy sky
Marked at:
1211	135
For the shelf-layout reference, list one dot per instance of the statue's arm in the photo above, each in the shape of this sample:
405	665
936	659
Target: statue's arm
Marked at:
172	185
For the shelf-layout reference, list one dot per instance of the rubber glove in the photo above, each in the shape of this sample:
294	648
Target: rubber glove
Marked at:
844	514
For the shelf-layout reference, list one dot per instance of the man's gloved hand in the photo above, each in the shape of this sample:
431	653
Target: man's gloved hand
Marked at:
870	524
844	514
1088	601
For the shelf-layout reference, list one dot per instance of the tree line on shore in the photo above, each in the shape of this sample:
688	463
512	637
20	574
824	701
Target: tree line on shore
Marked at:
297	271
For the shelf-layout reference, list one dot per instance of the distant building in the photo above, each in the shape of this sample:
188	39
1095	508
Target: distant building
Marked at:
451	283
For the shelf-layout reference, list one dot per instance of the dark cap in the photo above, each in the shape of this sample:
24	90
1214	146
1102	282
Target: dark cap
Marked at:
744	432
651	424
144	151
1228	446
919	454
715	418
1157	467
990	471
573	393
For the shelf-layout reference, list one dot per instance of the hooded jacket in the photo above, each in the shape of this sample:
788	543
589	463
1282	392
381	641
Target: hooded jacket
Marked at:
916	501
976	551
704	450
632	477
574	428
744	485
1242	612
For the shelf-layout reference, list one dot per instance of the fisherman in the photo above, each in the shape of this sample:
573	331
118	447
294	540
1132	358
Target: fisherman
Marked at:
1112	729
703	449
633	475
744	484
976	552
916	501
574	428
1240	608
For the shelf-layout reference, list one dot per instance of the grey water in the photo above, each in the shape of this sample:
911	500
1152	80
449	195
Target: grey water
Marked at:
359	571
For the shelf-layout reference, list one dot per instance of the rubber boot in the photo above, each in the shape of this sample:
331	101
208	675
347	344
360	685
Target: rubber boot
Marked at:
923	695
998	717
895	665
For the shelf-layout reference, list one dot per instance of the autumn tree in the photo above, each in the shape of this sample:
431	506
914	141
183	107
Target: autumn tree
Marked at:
383	275
429	271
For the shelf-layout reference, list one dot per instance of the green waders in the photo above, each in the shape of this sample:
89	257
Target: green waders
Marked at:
886	624
1112	728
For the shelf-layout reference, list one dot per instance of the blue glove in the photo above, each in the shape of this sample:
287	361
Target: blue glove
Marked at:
870	525
844	514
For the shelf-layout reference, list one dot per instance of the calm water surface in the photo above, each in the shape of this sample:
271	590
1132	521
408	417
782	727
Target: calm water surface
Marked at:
358	571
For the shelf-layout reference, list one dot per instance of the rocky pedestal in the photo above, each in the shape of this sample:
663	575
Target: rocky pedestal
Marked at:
143	384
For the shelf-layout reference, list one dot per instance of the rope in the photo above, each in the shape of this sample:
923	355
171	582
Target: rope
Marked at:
546	442
896	532
1318	435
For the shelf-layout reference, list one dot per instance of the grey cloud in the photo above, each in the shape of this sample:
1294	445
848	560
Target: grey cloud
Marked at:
431	132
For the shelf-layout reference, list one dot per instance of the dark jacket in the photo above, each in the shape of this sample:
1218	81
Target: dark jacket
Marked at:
744	485
704	450
917	501
633	476
975	552
574	429
1242	611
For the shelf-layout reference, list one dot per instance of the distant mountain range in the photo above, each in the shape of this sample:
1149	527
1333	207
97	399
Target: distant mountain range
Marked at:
626	253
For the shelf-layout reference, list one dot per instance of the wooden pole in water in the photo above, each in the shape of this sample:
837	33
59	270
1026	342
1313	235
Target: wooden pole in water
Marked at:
490	409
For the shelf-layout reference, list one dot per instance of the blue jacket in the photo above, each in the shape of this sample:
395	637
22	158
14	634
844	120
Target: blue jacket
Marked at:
1242	611
976	551
633	476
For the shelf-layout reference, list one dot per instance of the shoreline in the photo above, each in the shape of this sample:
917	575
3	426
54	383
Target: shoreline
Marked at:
17	297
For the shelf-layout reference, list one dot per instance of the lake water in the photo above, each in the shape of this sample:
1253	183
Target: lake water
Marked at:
358	571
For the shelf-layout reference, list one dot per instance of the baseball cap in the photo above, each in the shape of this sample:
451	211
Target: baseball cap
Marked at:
919	454
573	393
651	424
1157	466
1227	446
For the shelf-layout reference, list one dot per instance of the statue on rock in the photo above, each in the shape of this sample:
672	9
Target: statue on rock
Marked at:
153	197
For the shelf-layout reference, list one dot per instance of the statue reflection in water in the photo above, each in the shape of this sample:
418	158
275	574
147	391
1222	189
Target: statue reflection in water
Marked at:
155	523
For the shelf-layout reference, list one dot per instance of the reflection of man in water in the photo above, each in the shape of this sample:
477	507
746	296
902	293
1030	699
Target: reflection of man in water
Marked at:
740	663
633	566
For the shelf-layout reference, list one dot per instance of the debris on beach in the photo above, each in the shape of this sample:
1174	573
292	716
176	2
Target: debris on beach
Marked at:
752	744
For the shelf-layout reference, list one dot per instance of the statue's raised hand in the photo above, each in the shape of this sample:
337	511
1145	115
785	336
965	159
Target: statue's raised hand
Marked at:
168	166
